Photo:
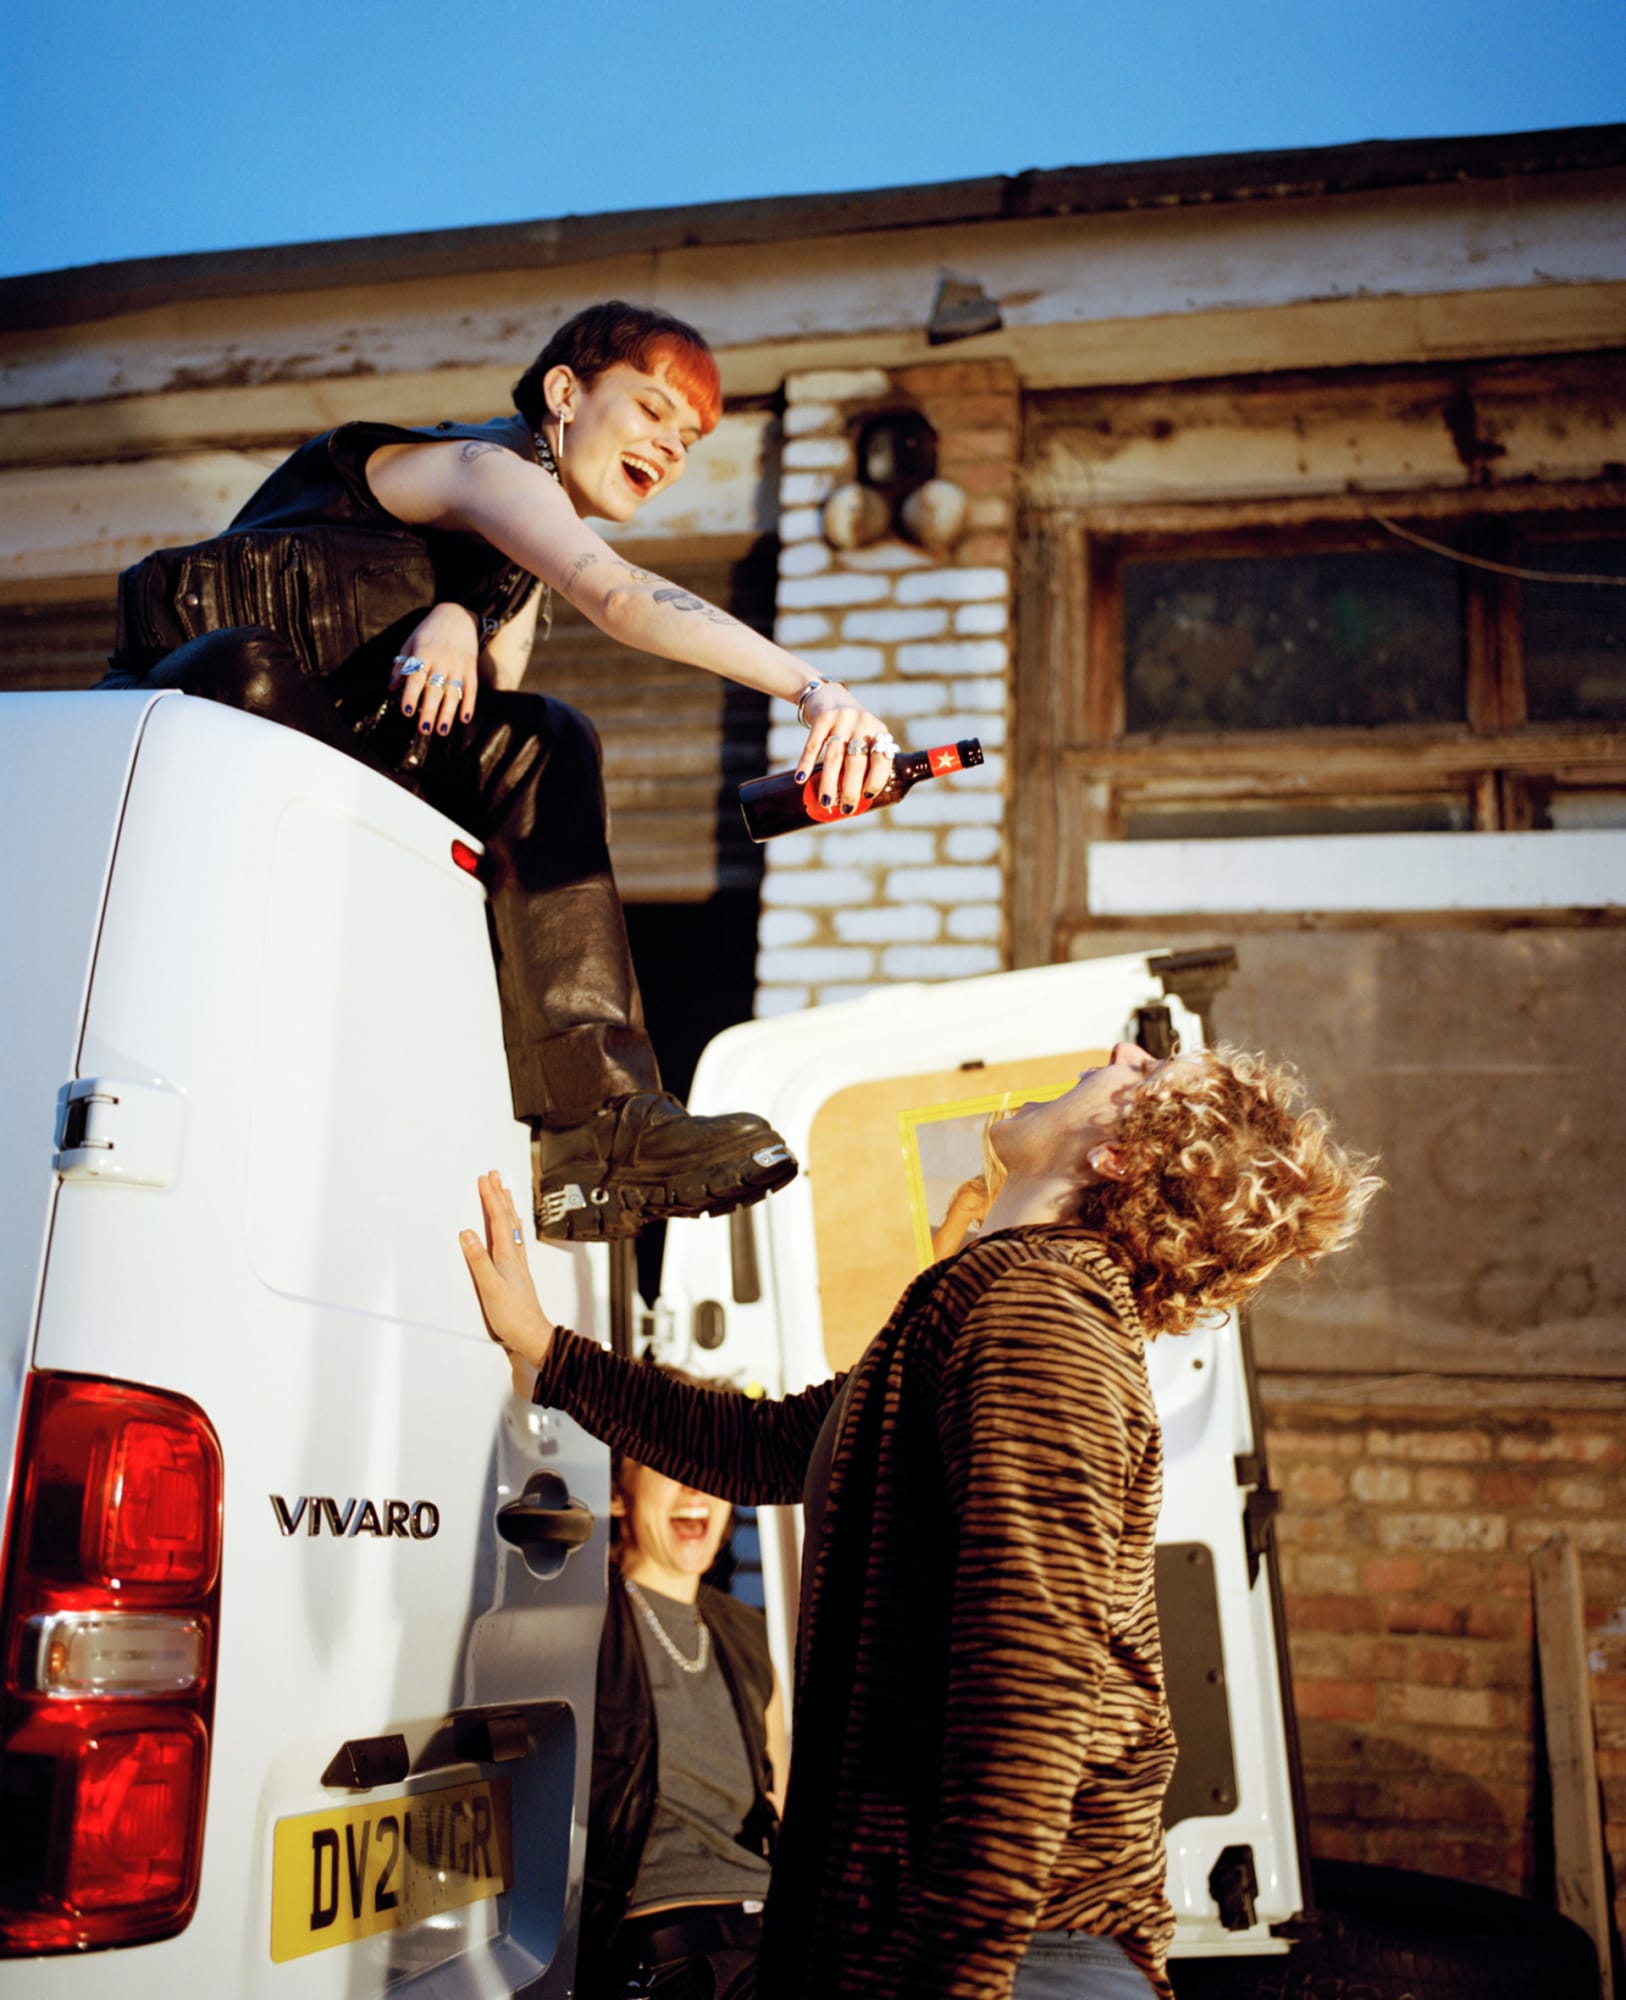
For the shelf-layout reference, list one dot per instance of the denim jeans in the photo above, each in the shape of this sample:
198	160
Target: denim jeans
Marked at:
1071	1965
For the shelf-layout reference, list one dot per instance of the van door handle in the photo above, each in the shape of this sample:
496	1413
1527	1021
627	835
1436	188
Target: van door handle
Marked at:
545	1513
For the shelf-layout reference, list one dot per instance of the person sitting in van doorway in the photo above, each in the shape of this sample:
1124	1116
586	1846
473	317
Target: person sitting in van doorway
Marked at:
981	1742
381	591
689	1757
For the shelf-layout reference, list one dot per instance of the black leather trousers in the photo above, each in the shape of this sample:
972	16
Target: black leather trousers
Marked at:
524	777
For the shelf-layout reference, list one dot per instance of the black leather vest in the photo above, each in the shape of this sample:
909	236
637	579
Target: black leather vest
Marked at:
313	556
625	1754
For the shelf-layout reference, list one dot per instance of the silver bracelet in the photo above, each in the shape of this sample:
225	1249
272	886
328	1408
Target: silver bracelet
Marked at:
812	688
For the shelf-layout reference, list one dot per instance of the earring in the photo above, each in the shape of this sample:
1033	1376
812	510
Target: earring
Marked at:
559	449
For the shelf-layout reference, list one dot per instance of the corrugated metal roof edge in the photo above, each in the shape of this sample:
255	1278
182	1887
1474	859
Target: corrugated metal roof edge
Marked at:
99	291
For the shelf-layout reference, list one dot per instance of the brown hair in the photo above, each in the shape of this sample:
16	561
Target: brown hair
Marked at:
1230	1174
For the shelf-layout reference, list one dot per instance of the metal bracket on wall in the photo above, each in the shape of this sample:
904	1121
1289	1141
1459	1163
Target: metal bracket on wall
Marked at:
1195	977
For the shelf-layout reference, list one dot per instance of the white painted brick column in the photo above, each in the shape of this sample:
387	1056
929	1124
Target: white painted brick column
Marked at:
916	892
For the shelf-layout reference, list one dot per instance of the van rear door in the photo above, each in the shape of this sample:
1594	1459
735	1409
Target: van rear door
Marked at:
884	1100
289	1074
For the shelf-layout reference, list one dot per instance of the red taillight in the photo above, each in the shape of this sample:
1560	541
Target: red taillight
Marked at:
466	857
109	1635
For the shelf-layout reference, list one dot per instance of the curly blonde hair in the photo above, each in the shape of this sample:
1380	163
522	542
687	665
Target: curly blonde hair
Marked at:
1230	1175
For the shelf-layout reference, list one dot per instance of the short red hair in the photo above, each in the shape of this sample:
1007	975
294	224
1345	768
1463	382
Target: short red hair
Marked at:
640	336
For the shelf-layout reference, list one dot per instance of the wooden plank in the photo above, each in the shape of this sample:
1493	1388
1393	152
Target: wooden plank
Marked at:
1318	759
1183	520
1283	873
1300	435
1572	1765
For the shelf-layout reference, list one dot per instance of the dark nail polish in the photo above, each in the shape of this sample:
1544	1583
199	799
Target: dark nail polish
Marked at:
826	801
445	728
801	777
845	807
423	728
409	710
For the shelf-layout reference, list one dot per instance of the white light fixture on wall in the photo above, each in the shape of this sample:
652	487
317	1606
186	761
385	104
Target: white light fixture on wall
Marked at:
897	488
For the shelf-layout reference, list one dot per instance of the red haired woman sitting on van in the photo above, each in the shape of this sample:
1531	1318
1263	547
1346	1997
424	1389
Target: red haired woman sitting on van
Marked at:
381	590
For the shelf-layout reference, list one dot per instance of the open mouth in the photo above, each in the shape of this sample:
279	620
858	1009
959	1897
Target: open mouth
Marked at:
641	476
689	1524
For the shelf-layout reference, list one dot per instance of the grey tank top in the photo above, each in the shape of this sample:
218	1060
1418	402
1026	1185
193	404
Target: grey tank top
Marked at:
703	1775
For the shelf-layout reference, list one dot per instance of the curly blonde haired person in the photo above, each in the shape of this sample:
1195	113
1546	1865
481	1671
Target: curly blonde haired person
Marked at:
983	1744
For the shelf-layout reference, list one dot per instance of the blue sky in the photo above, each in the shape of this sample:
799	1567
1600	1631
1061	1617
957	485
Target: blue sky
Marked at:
131	131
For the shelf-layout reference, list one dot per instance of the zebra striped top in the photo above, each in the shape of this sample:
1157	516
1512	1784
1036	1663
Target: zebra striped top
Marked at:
981	1740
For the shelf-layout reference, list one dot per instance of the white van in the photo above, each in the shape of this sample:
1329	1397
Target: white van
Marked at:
300	1603
301	1606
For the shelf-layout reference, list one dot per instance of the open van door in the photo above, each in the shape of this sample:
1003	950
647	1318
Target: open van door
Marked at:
885	1100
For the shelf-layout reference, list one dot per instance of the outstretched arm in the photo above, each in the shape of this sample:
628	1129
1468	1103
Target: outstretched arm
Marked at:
477	488
753	1452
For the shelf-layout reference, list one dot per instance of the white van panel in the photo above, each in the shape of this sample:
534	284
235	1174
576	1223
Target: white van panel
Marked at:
345	1057
285	943
64	794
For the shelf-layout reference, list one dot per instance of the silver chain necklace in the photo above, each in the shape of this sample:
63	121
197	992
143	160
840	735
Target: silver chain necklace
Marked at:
667	1644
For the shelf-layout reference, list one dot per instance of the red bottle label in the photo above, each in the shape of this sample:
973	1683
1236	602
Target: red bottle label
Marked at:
945	759
817	810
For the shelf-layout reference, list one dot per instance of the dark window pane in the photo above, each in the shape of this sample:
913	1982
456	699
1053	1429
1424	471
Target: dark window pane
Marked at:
1291	642
1193	820
1575	634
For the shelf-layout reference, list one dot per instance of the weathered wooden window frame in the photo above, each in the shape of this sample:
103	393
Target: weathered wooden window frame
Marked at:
1073	766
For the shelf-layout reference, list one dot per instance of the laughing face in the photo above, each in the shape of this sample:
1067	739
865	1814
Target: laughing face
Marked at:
670	1534
627	437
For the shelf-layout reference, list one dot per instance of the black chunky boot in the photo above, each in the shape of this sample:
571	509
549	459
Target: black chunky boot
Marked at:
643	1158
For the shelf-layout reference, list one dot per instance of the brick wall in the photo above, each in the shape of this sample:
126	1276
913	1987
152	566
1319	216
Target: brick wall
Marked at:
916	892
1406	1532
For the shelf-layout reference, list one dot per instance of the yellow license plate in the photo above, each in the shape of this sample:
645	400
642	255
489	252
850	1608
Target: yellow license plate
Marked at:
352	1871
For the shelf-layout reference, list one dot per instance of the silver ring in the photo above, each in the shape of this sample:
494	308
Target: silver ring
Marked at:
437	680
455	686
518	1238
409	663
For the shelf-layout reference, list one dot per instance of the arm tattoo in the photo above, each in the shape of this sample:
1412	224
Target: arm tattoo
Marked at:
478	448
611	590
685	600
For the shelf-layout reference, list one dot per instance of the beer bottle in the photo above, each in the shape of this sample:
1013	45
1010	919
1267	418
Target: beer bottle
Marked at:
777	804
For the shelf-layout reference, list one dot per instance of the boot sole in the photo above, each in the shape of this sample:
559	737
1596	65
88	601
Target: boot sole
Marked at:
576	1211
